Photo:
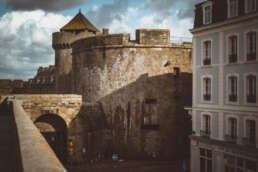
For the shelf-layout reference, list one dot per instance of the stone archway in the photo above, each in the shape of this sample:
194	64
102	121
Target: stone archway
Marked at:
54	130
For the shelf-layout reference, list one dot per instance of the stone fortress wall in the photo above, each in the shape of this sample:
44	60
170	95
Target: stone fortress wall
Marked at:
61	43
134	92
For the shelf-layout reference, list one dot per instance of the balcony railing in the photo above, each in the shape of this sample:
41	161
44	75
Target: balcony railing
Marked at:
205	133
230	138
251	99
207	61
207	97
251	56
232	58
249	141
233	98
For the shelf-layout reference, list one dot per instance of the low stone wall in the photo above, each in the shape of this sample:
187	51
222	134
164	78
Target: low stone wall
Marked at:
36	154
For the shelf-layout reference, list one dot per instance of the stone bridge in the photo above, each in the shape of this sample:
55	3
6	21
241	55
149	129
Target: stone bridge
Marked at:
52	114
63	106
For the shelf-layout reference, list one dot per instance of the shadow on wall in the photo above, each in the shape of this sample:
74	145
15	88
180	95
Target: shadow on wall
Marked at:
145	119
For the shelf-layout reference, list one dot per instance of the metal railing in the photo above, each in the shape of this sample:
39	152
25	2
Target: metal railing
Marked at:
180	39
207	61
205	133
230	138
251	56
251	98
232	58
249	141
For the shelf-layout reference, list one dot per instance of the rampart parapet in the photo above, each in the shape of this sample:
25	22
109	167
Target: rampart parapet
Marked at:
63	40
153	36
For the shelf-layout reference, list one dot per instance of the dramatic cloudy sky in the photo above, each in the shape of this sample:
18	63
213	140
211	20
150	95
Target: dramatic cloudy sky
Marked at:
26	26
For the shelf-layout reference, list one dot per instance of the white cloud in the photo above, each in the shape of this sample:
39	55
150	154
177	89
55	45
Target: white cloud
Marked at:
178	28
25	42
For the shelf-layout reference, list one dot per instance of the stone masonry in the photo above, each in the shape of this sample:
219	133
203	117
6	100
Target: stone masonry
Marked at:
137	88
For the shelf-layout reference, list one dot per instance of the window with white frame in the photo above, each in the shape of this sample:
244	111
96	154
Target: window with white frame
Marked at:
251	46
207	13
251	88
205	160
206	88
239	164
232	8
207	52
250	6
206	125
232	89
232	128
232	48
251	131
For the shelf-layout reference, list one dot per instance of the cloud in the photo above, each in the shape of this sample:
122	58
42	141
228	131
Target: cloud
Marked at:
178	28
47	5
166	7
107	13
188	12
25	42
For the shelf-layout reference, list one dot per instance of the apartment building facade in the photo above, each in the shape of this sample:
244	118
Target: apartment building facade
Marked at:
225	82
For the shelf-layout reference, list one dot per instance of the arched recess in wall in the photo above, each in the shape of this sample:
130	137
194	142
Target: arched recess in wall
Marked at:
54	130
119	130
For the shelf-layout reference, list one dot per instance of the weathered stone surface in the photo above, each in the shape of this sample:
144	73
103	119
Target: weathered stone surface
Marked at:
140	95
65	106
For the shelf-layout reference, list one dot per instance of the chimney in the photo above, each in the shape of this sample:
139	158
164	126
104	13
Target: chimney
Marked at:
105	31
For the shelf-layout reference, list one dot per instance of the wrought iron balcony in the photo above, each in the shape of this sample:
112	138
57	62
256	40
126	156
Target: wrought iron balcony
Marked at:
251	56
230	138
233	98
232	58
249	141
251	99
207	97
207	61
205	133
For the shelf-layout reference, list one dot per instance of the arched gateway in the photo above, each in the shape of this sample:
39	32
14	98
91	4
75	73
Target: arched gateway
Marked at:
54	129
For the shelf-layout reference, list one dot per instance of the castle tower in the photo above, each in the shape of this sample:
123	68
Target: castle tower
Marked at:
79	27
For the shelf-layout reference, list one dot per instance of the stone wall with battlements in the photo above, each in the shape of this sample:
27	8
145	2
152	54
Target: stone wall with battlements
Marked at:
140	86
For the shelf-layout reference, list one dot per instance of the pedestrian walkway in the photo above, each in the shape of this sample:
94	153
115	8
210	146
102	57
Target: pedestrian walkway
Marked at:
9	159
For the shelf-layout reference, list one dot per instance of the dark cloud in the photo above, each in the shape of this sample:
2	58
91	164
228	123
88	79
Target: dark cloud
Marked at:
189	11
25	42
47	5
104	15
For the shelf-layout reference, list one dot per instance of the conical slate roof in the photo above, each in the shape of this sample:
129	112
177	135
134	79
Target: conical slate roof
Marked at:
78	23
